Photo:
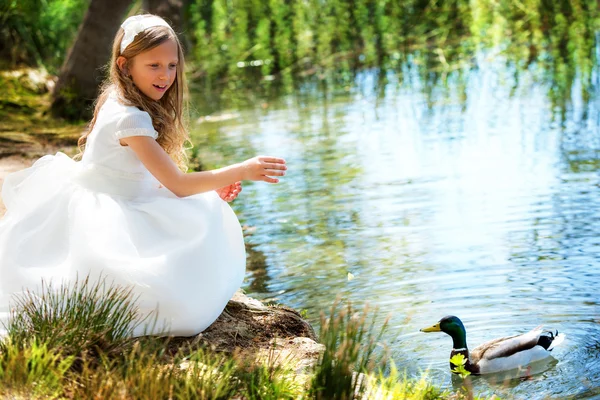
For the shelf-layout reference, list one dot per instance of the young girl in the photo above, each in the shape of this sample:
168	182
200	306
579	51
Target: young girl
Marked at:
127	211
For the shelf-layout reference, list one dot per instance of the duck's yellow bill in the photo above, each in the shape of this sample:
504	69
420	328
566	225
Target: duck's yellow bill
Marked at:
433	328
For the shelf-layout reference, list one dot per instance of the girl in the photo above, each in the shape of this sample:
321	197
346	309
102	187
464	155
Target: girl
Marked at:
127	210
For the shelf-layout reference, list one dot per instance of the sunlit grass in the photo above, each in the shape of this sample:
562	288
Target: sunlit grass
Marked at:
74	342
76	319
144	373
398	386
350	345
270	378
33	370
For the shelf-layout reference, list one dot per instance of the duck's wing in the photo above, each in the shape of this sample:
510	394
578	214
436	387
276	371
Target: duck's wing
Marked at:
506	346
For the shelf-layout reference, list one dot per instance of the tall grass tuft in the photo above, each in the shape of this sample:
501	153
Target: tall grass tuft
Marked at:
33	370
271	378
74	319
350	353
209	375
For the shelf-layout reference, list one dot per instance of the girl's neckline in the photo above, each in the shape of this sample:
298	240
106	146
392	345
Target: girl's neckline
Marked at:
114	95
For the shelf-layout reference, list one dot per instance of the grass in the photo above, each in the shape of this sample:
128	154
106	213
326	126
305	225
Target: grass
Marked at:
350	345
74	319
72	342
32	371
145	373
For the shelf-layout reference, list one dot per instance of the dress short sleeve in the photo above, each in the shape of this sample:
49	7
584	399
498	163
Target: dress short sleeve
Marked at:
136	123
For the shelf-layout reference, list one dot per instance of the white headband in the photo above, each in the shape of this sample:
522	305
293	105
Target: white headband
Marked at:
136	24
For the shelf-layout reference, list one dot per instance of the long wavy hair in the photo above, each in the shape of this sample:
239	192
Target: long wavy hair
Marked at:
169	114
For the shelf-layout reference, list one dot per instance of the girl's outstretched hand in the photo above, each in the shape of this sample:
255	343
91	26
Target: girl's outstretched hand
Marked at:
263	168
230	192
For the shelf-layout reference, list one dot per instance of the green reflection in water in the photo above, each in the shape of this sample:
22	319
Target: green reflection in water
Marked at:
279	43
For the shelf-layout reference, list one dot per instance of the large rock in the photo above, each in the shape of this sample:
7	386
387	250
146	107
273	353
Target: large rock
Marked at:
249	326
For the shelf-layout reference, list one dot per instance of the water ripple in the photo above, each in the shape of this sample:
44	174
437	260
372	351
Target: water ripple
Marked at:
490	212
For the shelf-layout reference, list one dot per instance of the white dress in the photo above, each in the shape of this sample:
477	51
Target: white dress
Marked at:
107	216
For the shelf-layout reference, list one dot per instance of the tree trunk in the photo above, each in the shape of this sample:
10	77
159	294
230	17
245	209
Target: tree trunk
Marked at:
81	73
171	11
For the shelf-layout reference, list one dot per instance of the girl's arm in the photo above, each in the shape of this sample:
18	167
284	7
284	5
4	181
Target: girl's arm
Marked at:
158	162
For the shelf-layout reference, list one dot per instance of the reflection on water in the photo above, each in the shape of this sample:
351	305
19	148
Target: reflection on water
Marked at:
248	41
472	200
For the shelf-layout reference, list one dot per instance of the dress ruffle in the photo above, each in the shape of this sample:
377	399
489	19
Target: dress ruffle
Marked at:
65	220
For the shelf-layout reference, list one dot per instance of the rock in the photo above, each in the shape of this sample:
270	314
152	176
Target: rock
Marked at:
259	331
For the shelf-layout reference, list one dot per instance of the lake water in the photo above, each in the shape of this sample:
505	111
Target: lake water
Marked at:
474	198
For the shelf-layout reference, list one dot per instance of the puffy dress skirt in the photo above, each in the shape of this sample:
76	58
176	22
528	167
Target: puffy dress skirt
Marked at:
184	258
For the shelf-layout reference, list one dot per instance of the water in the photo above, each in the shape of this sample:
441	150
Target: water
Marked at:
474	199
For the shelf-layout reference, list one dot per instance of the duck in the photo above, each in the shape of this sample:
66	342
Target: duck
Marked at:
498	355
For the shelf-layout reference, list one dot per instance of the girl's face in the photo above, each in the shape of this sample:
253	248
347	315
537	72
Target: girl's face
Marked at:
155	70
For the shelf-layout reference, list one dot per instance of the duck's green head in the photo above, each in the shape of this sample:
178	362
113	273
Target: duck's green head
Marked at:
454	327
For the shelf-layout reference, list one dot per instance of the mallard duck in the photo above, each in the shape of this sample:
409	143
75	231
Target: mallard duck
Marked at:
500	354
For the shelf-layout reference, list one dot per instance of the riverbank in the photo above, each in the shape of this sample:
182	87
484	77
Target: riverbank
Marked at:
252	351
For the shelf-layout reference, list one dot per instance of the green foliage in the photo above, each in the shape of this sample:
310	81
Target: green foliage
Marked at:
303	25
272	378
399	386
38	32
73	319
33	369
350	353
145	372
459	361
557	36
239	41
209	376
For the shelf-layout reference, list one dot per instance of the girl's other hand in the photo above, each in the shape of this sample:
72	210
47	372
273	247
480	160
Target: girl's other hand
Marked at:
230	192
263	168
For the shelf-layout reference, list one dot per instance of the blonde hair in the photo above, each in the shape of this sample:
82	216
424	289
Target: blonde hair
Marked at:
167	113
